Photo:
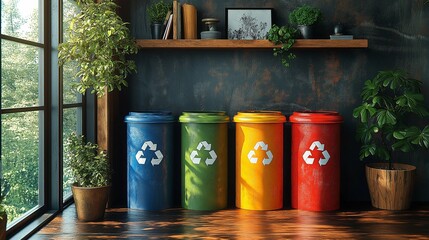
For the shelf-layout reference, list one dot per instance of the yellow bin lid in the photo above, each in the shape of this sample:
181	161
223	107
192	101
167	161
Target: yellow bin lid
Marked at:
259	117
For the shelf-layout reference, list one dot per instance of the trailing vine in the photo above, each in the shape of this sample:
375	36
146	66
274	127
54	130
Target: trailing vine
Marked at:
284	35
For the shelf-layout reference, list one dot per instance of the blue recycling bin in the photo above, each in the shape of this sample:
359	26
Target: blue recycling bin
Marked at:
150	160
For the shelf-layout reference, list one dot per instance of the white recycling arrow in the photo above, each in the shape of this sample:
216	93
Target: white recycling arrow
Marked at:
252	154
251	158
150	144
194	158
262	145
307	157
268	160
140	157
320	147
317	144
324	161
157	161
213	155
206	145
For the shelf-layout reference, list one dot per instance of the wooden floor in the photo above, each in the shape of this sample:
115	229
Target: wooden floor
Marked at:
358	223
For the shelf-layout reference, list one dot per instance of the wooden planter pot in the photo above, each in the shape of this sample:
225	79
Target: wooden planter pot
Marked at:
390	189
90	202
3	222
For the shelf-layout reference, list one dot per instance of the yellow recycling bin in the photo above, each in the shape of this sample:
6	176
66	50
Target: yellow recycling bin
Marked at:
259	160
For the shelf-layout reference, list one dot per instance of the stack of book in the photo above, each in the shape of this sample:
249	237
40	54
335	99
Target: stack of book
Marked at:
173	21
341	37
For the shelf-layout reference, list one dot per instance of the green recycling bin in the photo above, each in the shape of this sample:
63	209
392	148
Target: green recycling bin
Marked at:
204	160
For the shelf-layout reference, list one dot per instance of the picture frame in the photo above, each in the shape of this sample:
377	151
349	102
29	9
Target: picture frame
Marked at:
248	23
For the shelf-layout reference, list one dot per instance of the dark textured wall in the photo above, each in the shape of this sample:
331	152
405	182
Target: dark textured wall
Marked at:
327	79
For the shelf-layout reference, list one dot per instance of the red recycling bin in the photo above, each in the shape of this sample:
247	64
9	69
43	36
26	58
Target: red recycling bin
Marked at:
315	162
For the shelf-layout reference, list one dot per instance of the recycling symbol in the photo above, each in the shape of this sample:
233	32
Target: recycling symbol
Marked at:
140	157
321	147
207	147
252	155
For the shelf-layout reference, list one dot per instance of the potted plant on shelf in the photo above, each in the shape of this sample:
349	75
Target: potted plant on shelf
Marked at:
283	35
305	17
99	41
389	102
157	13
90	172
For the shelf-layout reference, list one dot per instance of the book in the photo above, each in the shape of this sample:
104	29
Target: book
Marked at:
179	21
167	17
341	37
189	21
168	27
175	19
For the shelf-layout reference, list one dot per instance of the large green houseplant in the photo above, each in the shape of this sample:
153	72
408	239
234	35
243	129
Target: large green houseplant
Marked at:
89	167
390	103
305	17
99	41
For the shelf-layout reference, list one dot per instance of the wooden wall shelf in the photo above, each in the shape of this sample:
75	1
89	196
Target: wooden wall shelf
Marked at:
248	44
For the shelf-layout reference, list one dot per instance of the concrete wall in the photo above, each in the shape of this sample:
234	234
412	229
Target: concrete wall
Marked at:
319	79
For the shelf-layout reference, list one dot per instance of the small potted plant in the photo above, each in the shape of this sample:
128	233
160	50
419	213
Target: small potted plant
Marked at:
157	13
90	177
389	102
99	42
283	35
305	17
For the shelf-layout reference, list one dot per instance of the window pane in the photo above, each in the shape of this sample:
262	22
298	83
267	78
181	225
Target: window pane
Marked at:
69	93
21	156
72	118
20	75
69	70
21	19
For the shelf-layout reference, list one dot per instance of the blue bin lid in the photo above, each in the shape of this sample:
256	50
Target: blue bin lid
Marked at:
150	117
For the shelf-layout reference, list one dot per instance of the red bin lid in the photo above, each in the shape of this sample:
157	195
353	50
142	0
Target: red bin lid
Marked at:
316	117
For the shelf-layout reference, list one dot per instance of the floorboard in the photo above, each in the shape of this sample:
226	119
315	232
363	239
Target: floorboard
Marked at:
356	223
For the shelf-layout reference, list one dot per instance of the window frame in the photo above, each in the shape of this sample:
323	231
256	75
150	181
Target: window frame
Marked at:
51	183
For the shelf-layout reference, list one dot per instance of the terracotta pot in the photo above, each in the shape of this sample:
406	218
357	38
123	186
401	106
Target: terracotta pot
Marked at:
90	202
390	189
3	222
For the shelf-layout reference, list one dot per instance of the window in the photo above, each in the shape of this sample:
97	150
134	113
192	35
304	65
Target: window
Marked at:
38	107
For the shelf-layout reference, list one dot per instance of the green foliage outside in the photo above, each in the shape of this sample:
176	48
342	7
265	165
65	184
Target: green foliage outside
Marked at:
89	165
22	132
305	15
389	101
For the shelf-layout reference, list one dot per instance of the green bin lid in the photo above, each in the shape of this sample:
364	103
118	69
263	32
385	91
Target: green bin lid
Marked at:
204	117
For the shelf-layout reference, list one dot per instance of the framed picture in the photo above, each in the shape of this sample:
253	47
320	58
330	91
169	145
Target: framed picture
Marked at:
248	23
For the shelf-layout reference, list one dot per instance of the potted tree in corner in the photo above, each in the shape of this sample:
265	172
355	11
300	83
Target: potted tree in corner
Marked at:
90	172
157	13
305	17
99	41
390	101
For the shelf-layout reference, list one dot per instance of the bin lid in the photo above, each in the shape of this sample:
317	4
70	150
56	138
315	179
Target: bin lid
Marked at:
256	116
316	117
204	117
150	117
